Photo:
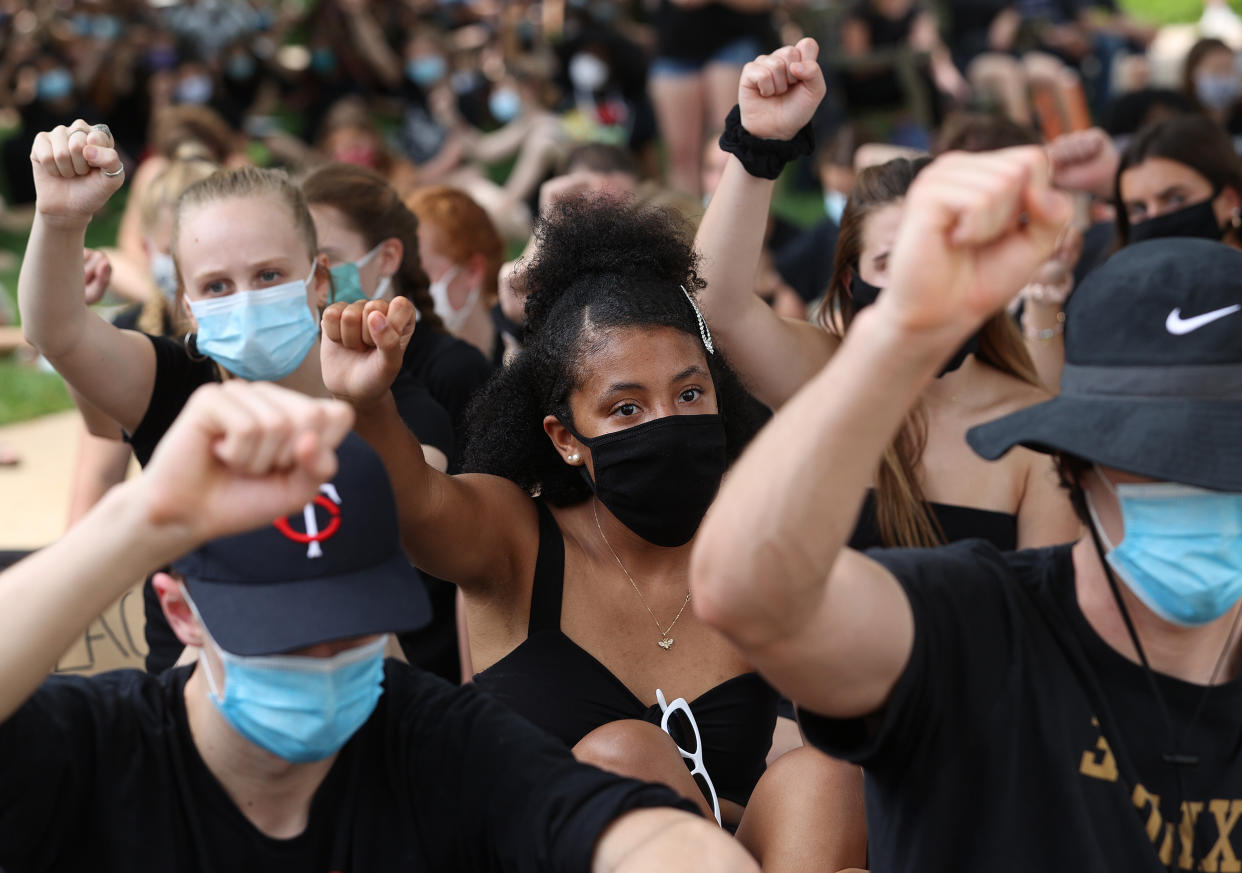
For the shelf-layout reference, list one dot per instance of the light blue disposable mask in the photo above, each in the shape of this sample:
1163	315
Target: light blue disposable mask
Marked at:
1217	92
504	105
164	274
426	70
1182	550
347	281
55	84
298	708
834	205
261	336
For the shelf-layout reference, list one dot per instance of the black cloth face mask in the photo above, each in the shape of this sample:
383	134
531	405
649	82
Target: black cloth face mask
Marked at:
864	294
1198	221
659	477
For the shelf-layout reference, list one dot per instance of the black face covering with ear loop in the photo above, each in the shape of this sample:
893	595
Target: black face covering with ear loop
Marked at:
1198	221
864	294
659	477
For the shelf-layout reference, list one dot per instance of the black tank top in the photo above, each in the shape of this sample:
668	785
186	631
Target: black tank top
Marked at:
560	687
958	523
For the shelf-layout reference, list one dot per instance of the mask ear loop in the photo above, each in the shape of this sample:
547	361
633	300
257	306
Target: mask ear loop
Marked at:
211	682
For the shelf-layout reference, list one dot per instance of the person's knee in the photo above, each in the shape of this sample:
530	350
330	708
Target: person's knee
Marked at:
629	746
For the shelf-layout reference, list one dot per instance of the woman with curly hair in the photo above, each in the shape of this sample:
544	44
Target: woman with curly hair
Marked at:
595	455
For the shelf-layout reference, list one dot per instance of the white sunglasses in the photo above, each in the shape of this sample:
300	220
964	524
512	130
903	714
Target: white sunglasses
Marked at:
699	769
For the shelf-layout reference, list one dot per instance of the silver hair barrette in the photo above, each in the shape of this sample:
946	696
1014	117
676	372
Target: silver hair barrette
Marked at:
704	333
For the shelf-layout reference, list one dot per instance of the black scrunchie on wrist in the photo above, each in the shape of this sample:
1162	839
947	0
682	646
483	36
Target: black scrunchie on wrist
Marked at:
764	158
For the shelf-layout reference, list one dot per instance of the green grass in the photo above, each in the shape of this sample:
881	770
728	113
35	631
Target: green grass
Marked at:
25	391
1169	11
28	392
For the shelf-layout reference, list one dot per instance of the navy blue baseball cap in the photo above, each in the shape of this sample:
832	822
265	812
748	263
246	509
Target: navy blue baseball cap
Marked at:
334	570
1153	369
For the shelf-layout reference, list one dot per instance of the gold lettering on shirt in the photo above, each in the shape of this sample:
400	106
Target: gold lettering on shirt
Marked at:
1221	857
1099	763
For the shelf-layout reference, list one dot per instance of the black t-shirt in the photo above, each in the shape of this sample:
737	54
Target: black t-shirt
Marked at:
452	370
805	263
101	773
177	376
1017	739
697	34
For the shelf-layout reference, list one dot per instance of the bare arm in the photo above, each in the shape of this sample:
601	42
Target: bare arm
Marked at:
113	369
440	516
773	355
201	484
1045	516
830	627
668	839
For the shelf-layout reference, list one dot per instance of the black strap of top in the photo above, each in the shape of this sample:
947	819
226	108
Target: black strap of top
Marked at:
549	581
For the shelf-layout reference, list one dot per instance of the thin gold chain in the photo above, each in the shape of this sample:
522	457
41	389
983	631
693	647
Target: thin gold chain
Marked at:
663	633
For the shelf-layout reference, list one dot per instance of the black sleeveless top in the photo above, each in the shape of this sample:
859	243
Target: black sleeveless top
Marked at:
560	687
958	523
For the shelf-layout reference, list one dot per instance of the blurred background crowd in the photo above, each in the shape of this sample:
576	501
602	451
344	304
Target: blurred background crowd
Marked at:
504	99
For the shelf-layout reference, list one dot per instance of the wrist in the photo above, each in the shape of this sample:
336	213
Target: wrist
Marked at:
1044	331
764	158
143	528
69	226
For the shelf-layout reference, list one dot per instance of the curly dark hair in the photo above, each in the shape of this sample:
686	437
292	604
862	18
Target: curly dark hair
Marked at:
600	264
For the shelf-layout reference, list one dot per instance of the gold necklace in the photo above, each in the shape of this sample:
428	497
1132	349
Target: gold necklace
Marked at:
665	642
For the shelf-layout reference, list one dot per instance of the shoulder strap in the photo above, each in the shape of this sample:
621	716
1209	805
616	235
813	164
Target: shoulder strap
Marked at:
549	581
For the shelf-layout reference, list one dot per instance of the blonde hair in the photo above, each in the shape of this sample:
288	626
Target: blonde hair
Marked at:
463	229
192	163
246	182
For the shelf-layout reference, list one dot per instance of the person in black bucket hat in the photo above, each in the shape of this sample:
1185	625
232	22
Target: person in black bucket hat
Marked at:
1077	707
292	745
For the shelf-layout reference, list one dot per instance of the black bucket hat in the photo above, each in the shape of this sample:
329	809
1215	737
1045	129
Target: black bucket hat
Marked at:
334	570
1153	369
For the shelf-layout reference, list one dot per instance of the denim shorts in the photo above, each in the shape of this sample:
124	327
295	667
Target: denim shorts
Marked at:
735	54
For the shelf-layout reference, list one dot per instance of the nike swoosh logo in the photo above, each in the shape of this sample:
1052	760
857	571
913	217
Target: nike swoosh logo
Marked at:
1178	326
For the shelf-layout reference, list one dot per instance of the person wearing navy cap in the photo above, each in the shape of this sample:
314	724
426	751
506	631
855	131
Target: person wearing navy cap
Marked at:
1076	707
291	745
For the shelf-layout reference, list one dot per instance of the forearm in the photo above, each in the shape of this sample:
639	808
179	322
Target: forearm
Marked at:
370	40
51	288
1043	328
730	240
47	600
653	839
131	278
787	508
402	454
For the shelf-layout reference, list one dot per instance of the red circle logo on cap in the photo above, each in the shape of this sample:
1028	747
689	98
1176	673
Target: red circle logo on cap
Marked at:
313	536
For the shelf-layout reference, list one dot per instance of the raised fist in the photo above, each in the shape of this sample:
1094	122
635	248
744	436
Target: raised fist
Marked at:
76	169
97	275
778	93
363	347
241	454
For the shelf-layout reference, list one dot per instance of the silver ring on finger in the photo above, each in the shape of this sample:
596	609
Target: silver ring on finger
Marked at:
119	170
72	132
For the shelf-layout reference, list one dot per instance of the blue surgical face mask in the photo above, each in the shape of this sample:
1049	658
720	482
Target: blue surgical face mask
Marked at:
426	70
834	205
1181	554
164	274
261	336
347	281
1217	92
299	709
504	104
55	84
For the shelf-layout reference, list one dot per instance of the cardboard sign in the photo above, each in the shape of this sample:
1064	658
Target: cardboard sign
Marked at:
114	640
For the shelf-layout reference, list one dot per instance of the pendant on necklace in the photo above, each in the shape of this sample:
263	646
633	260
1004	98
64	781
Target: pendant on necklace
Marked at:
666	643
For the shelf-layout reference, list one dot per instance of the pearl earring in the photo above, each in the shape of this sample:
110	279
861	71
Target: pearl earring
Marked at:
573	459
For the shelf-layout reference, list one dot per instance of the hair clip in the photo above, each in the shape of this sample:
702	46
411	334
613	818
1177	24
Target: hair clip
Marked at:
704	333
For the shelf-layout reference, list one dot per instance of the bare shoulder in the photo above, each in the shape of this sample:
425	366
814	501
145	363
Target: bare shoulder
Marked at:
1009	393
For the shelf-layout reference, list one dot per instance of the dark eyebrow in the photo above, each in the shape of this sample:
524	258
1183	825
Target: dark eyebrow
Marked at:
692	370
1177	188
